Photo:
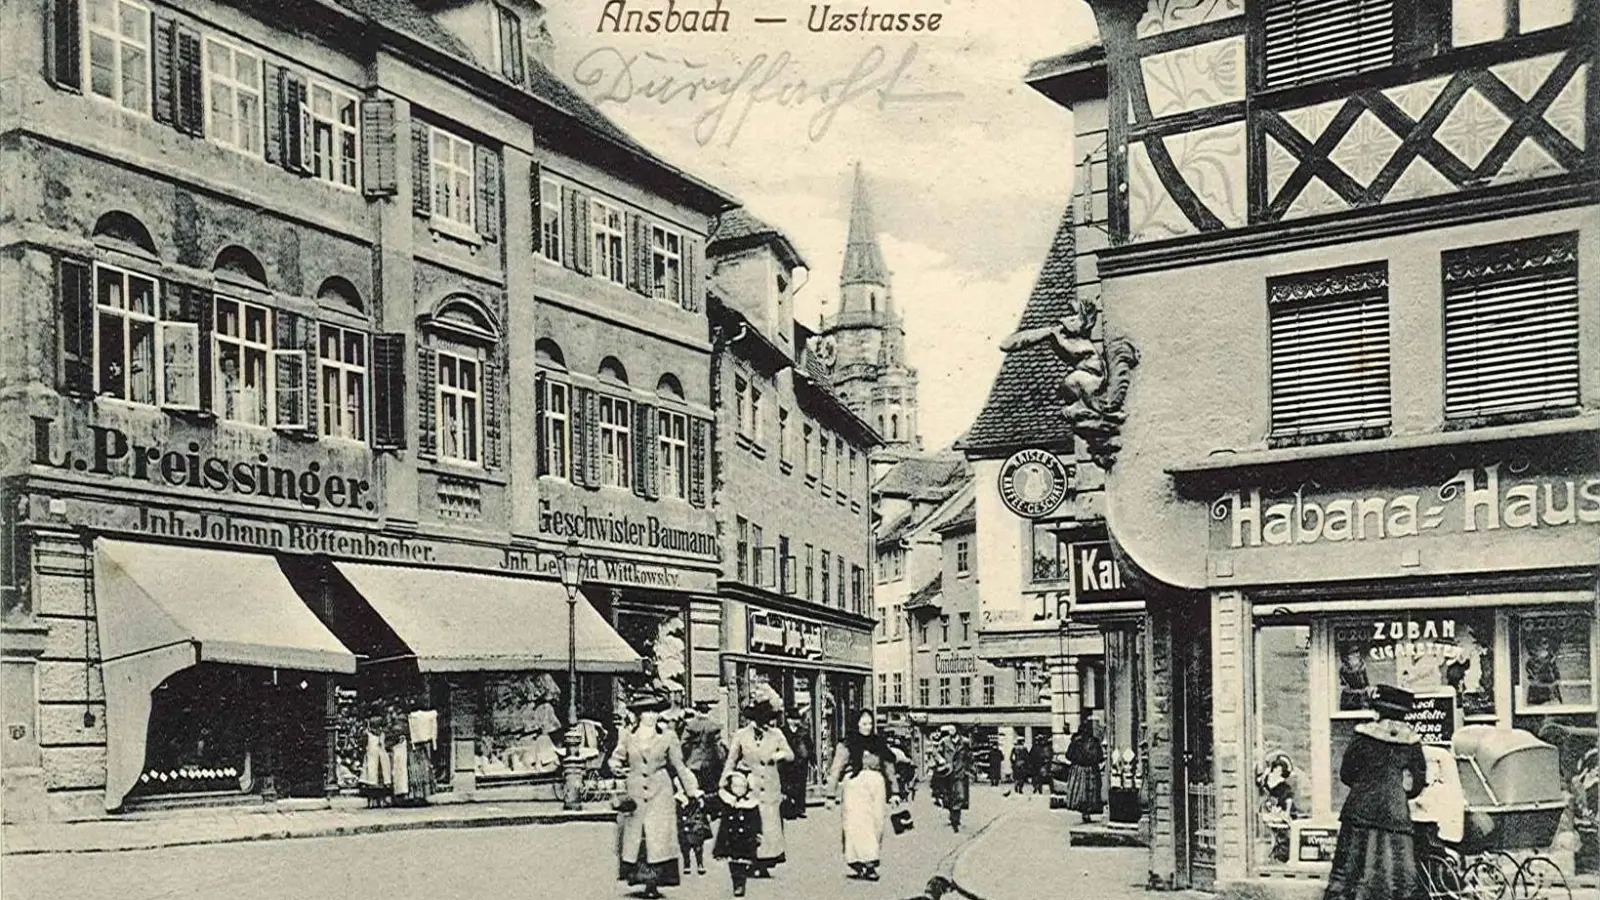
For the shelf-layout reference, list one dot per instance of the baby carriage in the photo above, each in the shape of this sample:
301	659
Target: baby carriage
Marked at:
1511	786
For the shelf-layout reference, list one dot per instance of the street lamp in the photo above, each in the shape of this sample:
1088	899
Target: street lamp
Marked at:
572	768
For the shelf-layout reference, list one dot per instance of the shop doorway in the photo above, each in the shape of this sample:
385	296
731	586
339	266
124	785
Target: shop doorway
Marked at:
1196	788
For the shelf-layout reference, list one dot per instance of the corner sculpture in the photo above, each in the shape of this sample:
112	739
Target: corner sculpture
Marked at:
1095	386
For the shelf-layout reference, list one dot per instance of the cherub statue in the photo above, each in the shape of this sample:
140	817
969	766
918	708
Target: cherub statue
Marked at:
1096	383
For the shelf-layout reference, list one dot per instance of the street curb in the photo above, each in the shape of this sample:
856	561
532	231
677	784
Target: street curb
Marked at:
376	827
944	881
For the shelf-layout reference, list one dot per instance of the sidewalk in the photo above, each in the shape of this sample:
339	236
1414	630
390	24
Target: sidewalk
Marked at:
186	827
1026	854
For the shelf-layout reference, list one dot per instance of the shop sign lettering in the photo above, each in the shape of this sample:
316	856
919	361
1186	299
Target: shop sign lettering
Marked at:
292	537
1096	575
1481	499
650	532
113	455
1433	718
781	635
612	571
846	645
1317	844
955	663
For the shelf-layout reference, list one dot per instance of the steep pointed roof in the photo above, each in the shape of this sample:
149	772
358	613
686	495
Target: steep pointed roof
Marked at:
1023	409
863	261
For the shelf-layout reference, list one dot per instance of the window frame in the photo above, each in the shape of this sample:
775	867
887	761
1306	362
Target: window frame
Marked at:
551	219
557	447
944	690
343	370
672	454
515	68
451	170
118	41
231	83
1299	305
963	556
459	355
742	549
610	263
924	697
987	690
616	470
341	163
898	682
664	260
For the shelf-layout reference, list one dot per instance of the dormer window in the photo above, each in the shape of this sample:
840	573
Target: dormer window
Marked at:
510	44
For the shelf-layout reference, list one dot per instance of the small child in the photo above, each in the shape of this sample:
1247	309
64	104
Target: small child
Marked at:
740	832
694	829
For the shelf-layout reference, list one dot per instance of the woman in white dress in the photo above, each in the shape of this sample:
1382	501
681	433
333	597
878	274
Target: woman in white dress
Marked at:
863	779
758	748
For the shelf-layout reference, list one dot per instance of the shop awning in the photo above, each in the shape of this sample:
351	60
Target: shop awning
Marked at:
230	607
473	622
160	609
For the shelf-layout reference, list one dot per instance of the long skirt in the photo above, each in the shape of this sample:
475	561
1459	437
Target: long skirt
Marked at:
1370	864
863	799
644	872
1083	789
771	850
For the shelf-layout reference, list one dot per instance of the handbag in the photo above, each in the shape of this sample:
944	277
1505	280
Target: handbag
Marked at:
900	821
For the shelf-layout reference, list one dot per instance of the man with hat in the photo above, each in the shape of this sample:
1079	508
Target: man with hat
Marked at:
759	748
703	747
952	772
1384	767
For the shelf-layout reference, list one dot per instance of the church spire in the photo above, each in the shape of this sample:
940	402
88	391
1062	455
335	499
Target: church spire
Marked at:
863	261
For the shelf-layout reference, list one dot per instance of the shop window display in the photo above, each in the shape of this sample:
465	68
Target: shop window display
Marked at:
1448	653
1283	670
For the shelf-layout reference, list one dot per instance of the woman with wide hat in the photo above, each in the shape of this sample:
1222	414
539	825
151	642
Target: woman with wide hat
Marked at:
759	748
1384	767
647	825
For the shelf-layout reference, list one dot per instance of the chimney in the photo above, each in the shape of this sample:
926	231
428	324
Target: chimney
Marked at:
541	46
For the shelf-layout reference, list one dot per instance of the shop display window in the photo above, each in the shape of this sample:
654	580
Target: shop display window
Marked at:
1553	664
521	723
1283	728
1448	652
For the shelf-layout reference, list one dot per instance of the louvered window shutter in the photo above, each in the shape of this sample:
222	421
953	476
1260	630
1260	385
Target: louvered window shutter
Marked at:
639	260
644	461
427	385
75	289
421	170
699	458
569	226
195	305
541	437
272	98
692	288
296	139
1330	351
1511	328
389	391
292	373
63	44
488	184
591	439
582	243
493	413
379	176
189	99
578	428
1312	40
163	52
536	206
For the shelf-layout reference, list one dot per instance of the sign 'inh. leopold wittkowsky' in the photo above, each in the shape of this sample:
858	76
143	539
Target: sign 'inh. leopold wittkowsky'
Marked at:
1477	499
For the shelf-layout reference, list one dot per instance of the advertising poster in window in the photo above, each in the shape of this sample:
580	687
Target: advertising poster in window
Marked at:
1445	651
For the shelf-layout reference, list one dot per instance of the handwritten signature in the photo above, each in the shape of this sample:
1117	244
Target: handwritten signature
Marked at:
764	80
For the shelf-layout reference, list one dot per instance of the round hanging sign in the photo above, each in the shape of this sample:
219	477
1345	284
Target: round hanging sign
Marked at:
1033	483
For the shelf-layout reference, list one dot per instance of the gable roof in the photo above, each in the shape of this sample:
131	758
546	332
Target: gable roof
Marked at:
1023	409
737	229
924	477
928	594
965	518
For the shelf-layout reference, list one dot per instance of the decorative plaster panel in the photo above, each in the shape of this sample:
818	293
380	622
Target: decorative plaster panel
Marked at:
1210	162
1171	15
1196	77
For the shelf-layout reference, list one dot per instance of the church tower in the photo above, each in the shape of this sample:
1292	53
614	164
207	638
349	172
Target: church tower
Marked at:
864	341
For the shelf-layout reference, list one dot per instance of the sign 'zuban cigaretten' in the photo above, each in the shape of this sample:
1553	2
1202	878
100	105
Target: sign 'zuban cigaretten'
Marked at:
1475	499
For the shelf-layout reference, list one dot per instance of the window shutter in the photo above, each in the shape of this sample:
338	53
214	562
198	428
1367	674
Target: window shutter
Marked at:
541	437
591	438
1511	328
582	245
75	291
536	205
569	227
578	428
1330	351
427	384
293	410
636	269
488	182
163	54
698	459
272	98
63	44
195	305
421	170
1312	40
296	137
189	96
378	171
306	333
389	391
691	280
644	460
492	412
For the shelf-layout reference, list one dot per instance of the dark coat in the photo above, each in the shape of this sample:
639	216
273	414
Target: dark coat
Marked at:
1376	767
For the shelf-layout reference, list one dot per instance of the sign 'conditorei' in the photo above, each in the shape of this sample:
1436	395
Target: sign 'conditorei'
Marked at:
1033	483
1478	499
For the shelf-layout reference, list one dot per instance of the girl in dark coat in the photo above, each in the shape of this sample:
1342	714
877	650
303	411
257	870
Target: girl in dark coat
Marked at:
1085	787
1375	858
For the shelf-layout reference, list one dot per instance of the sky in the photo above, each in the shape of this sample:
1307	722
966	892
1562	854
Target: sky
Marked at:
968	168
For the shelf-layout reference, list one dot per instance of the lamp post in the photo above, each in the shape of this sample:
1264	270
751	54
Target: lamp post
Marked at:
571	767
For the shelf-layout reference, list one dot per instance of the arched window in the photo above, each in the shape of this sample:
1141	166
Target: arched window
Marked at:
555	413
548	353
894	426
669	386
672	441
117	319
460	403
611	369
118	227
338	293
237	263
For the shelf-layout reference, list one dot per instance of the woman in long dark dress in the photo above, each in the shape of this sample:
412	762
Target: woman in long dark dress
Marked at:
1375	858
1085	787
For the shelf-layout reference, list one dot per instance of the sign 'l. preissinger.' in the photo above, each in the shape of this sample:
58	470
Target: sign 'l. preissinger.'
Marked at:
1479	499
